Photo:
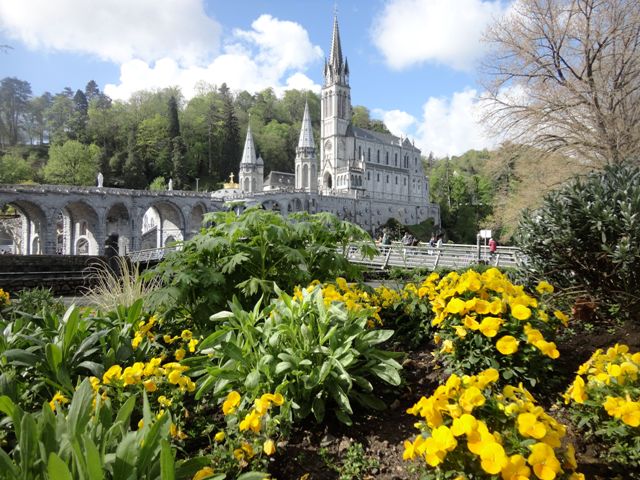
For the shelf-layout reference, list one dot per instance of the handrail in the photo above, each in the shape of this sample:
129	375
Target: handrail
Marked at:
398	255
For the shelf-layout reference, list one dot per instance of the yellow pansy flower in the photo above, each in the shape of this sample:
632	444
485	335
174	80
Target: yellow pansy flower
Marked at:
230	404
204	472
269	447
507	345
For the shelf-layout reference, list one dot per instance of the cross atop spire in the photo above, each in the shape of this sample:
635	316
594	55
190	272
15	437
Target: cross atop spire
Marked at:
336	69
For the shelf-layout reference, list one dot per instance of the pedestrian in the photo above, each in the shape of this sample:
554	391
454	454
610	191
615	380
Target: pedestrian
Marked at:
439	242
493	247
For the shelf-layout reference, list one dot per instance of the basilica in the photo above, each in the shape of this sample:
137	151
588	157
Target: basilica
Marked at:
360	175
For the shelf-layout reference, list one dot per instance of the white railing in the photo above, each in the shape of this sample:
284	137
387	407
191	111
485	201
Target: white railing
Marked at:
398	255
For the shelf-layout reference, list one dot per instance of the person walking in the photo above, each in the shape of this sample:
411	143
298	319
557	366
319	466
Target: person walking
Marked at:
493	247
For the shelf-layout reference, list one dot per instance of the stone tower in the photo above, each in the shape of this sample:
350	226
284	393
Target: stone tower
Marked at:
306	159
335	113
251	168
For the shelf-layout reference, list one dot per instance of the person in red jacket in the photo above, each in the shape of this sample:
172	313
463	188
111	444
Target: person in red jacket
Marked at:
493	245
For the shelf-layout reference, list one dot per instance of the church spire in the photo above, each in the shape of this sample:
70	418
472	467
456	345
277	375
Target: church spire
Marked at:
335	58
249	152
335	68
306	131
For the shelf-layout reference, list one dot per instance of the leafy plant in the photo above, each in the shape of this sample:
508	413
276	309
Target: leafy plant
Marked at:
586	237
35	300
506	433
606	406
248	255
354	465
86	441
311	352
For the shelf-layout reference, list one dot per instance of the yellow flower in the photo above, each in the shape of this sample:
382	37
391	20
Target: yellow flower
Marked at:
133	374
544	287
471	323
180	353
529	426
455	305
137	339
269	447
548	348
447	346
192	345
114	373
230	404
516	469
58	398
493	458
150	385
507	345
464	424
248	450
186	335
562	317
252	421
520	312
162	400
204	472
437	446
460	331
544	462
219	437
471	398
489	326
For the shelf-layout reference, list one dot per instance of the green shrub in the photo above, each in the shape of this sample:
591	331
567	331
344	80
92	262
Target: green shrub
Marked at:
36	300
87	441
311	351
586	237
248	255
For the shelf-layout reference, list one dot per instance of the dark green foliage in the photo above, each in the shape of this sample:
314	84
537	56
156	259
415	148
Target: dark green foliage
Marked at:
586	236
247	255
37	300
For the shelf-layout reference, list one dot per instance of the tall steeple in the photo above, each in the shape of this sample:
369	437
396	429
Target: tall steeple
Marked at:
336	69
306	160
251	168
306	131
249	152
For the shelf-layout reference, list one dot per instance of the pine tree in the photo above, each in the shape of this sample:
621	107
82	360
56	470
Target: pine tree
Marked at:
231	148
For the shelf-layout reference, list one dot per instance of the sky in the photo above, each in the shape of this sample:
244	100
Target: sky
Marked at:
413	63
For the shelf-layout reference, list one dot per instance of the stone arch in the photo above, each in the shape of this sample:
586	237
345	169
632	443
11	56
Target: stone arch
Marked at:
196	219
298	205
305	176
76	220
161	220
27	227
327	181
118	222
246	184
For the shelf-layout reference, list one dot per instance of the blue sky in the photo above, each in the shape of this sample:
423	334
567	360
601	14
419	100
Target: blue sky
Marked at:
413	63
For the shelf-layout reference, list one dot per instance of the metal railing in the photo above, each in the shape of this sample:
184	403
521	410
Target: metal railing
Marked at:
398	255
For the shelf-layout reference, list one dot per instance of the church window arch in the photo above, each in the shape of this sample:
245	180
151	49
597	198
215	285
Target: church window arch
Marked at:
368	154
396	158
378	156
305	176
378	179
359	152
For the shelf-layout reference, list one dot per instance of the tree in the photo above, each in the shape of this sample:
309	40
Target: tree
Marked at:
14	169
80	116
72	163
59	116
231	149
14	105
564	76
37	117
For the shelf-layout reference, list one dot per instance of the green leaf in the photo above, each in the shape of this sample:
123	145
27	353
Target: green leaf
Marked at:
28	442
340	397
151	443
93	460
57	469
282	367
317	408
253	476
375	337
252	379
7	467
167	466
21	357
124	466
386	373
54	356
80	409
232	351
343	417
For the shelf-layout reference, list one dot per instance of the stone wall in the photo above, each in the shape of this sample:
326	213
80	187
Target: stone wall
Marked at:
64	274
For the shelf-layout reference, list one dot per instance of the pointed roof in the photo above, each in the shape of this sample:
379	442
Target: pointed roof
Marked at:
335	58
306	130
249	152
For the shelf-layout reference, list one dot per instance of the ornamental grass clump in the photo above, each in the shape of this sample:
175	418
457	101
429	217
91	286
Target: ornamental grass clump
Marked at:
483	320
468	430
604	403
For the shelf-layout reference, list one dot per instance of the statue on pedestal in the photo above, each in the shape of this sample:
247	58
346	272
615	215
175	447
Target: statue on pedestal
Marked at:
100	179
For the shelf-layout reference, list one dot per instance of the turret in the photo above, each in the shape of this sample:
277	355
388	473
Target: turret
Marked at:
306	160
251	168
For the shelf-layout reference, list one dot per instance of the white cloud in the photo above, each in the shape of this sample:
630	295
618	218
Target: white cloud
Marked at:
397	121
409	32
115	30
449	126
274	53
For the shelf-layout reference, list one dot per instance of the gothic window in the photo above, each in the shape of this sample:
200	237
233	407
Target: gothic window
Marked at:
396	155
386	158
396	179
378	156
305	176
378	179
415	161
368	175
359	152
368	154
387	178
